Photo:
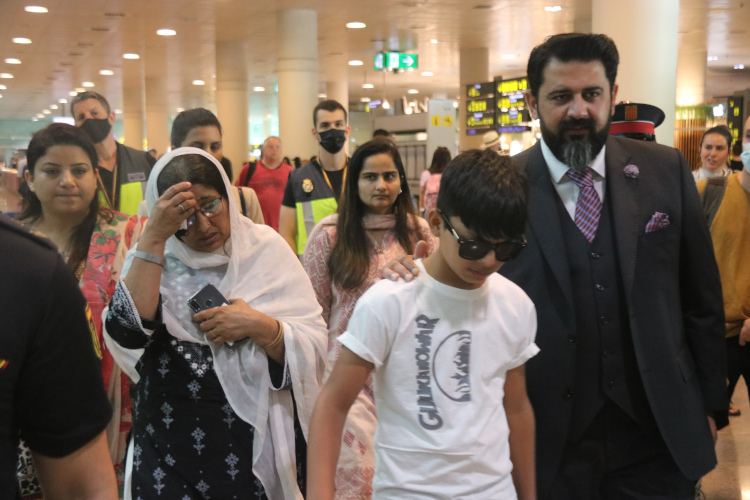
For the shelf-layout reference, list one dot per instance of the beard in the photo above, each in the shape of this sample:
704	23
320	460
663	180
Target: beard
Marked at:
580	150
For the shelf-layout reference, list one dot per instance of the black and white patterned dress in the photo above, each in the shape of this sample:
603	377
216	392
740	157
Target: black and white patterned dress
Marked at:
188	443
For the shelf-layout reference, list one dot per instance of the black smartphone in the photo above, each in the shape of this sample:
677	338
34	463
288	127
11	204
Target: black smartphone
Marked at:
207	298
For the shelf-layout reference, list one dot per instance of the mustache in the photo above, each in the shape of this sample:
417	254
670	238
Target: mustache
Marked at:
569	123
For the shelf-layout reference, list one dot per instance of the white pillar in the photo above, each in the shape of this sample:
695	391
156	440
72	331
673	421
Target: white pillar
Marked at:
474	68
298	80
691	70
338	90
645	32
337	80
232	101
157	114
132	116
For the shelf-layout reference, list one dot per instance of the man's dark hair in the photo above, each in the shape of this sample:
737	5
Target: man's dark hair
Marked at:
85	96
487	193
567	47
188	120
721	130
328	105
381	132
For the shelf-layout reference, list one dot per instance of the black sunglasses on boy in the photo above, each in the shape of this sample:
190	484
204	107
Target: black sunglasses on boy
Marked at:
477	249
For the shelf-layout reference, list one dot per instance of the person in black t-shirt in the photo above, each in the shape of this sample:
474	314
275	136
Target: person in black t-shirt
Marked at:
51	389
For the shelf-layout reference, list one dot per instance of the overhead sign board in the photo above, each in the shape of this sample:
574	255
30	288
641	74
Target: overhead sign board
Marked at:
394	60
480	107
511	108
477	90
734	116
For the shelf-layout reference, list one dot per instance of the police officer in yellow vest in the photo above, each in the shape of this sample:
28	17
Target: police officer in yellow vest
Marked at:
123	171
313	189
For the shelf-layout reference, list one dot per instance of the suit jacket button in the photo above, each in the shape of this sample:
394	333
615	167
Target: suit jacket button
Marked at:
600	288
611	384
595	255
568	394
603	320
571	338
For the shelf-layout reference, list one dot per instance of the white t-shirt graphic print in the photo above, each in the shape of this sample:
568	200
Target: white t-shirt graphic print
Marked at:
440	356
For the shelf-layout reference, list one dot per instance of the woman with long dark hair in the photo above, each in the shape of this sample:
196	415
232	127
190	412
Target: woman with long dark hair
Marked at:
222	396
63	204
440	159
344	256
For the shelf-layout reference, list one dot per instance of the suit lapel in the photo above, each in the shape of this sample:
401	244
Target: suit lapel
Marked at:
625	206
544	221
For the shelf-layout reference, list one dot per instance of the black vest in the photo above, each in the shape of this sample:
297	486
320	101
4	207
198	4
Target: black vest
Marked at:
606	367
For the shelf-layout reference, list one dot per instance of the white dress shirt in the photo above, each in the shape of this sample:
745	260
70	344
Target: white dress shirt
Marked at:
567	190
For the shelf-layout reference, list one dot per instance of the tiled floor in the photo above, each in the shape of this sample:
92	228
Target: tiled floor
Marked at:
731	478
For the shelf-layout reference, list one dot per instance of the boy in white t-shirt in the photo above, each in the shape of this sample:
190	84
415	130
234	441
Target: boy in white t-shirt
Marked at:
448	351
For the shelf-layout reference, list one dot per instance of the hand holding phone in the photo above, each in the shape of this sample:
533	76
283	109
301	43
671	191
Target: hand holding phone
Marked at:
232	323
207	298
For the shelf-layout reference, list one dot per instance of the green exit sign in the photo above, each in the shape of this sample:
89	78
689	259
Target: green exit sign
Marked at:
394	60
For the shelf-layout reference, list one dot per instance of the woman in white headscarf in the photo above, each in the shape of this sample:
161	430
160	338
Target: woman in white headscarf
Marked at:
223	397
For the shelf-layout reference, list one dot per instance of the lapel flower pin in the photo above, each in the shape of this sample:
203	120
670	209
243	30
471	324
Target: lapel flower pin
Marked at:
631	171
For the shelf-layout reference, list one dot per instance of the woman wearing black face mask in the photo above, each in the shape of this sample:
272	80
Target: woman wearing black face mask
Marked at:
314	189
122	171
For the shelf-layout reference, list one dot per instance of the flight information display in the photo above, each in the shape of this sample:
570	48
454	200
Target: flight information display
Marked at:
511	109
480	107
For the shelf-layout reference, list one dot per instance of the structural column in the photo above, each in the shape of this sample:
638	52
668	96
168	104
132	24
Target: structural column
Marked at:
337	80
157	114
232	101
132	103
691	70
474	68
645	32
338	90
298	80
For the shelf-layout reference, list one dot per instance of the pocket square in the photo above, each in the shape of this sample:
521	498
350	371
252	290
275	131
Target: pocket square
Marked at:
658	222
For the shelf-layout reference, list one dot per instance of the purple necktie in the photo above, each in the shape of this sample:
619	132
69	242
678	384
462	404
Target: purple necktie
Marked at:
589	206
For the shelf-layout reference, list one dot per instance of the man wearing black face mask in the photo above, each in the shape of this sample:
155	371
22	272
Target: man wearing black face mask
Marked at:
122	171
313	189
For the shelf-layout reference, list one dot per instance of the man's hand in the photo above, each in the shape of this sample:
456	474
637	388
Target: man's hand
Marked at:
85	474
712	426
404	266
745	332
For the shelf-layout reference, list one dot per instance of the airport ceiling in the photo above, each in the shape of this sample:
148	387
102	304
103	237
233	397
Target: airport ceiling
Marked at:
77	39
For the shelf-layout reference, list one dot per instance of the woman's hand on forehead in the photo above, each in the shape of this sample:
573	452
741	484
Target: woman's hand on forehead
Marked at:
170	211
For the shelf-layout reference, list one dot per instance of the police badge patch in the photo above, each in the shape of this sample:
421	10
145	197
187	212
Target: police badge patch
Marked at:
307	186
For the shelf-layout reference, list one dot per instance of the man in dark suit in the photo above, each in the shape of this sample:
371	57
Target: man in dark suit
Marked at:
621	269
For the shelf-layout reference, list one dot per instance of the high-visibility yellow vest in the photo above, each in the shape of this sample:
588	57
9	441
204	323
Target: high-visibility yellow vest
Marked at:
131	194
133	169
314	198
